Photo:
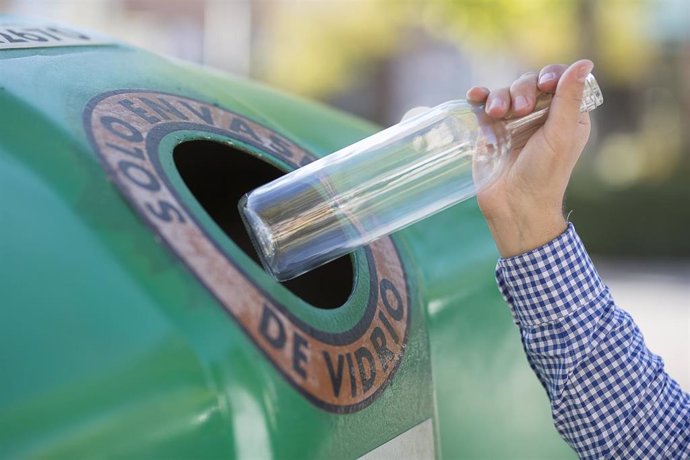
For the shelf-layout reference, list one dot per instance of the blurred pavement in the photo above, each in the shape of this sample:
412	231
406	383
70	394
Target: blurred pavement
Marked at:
657	295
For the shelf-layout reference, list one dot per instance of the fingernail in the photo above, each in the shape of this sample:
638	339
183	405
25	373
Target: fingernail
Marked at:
494	105
547	77
520	102
585	70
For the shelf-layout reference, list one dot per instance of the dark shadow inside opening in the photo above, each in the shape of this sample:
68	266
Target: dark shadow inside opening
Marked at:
218	175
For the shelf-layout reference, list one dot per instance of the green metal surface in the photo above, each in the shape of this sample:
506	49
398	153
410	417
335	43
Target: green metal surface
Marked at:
111	347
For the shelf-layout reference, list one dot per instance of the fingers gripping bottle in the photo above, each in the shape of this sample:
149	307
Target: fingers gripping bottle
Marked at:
385	182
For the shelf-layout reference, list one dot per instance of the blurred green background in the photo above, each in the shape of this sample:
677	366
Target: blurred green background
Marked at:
377	58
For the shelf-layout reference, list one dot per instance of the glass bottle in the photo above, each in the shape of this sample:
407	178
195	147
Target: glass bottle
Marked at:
385	182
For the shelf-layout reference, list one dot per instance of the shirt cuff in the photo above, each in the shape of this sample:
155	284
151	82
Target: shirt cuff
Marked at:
550	282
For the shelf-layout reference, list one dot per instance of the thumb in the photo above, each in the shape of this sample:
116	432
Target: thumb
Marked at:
564	113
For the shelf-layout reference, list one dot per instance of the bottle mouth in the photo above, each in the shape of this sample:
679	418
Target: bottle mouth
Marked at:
260	236
591	96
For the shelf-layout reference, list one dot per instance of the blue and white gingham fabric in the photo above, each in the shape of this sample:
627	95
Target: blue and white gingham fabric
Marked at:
610	396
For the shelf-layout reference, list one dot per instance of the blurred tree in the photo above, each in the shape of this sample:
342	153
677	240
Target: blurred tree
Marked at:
317	47
538	30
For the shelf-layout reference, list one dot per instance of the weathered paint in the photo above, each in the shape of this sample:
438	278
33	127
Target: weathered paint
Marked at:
113	344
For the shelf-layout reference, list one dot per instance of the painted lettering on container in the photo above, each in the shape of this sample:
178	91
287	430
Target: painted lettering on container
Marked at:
45	36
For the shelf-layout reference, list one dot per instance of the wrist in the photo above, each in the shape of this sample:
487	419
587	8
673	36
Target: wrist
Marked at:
515	236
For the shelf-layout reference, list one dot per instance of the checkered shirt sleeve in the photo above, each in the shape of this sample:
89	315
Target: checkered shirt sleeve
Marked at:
610	396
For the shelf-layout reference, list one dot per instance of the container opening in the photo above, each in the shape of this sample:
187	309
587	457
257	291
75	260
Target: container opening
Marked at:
218	175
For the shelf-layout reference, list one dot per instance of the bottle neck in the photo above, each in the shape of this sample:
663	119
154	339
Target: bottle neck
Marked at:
519	130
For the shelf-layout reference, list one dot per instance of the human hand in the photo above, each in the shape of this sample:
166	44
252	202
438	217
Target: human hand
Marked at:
524	206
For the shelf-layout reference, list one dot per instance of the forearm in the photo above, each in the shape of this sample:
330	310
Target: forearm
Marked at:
608	392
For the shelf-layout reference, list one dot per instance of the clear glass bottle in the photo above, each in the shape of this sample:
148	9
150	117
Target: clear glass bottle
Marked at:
384	183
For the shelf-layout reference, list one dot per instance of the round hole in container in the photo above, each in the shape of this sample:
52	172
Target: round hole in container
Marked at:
218	175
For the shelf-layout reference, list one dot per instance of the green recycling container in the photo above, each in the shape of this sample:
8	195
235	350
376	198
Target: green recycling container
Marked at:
135	321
